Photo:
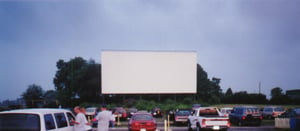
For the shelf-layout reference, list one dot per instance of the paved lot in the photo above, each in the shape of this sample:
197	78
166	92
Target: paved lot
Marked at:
233	128
267	125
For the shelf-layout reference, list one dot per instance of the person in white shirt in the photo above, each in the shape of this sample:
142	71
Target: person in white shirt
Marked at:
80	120
103	118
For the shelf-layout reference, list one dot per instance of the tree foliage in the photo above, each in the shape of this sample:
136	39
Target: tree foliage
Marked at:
278	97
207	91
33	95
77	80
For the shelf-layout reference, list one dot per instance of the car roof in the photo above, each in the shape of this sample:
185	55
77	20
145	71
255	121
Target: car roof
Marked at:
226	108
36	111
272	107
142	113
246	107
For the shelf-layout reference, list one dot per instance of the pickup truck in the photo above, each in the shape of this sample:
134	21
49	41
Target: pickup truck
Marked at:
207	118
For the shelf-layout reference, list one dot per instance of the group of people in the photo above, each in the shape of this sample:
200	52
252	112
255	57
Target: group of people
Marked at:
82	124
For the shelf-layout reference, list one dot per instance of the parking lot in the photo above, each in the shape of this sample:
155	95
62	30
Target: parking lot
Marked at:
267	125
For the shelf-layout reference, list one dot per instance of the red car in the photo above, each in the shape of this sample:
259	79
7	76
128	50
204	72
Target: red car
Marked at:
142	122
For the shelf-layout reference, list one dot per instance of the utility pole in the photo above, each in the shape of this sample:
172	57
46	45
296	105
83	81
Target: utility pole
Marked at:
259	87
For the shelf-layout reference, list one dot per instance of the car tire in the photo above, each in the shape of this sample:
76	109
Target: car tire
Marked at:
240	123
269	117
198	128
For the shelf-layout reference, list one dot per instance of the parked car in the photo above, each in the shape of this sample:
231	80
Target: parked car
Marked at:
195	106
207	118
181	116
156	112
142	122
36	120
120	112
225	111
291	113
245	115
131	111
270	112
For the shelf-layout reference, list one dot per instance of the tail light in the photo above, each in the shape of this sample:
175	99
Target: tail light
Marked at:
244	117
261	117
150	124
203	122
134	124
228	123
124	115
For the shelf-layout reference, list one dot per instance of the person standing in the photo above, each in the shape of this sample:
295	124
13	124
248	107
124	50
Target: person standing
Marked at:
103	118
80	120
88	126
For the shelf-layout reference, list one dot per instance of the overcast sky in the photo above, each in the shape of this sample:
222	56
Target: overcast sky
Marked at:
243	42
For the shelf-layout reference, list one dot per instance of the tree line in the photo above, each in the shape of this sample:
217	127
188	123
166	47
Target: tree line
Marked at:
79	81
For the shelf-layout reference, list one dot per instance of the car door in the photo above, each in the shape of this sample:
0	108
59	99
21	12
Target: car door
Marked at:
62	122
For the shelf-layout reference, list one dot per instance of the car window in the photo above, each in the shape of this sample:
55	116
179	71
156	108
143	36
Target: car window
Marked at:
14	122
268	110
61	120
279	109
208	112
49	122
70	117
252	110
142	117
183	113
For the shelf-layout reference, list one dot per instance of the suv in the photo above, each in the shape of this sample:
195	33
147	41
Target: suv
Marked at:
245	115
270	112
36	120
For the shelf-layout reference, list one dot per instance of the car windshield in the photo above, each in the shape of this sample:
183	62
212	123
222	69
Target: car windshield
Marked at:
227	111
183	113
142	117
209	112
279	109
19	122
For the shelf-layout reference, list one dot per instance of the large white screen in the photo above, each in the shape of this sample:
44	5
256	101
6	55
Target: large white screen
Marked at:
148	72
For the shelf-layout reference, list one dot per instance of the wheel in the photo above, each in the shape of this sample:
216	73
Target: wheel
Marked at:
269	117
198	128
240	123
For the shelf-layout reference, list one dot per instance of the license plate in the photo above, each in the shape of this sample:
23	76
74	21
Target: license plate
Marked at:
216	127
143	129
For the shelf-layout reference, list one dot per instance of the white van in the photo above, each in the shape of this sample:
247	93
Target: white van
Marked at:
36	120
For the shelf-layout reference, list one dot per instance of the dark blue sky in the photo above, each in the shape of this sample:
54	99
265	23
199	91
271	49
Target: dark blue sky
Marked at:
243	42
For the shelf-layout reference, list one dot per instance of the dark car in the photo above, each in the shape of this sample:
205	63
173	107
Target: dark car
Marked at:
142	122
156	112
181	116
131	111
245	115
291	113
120	113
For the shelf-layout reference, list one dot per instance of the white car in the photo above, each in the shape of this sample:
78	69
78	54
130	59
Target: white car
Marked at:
225	111
36	120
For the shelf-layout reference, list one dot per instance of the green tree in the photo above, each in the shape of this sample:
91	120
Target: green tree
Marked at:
207	91
228	92
276	92
77	81
278	97
33	95
50	99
